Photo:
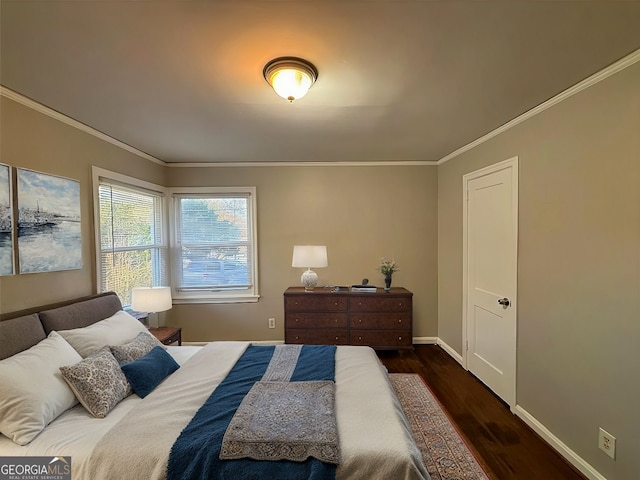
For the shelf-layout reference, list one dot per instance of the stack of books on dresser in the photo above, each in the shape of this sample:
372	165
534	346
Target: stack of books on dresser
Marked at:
363	288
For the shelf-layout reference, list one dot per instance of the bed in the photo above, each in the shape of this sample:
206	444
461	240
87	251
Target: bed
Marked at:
137	436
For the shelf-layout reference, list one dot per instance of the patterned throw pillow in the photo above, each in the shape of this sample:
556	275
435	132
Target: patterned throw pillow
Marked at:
97	382
136	348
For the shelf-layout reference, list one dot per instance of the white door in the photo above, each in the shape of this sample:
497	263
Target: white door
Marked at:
490	276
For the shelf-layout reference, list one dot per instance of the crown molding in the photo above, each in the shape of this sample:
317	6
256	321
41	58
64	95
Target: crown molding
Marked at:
584	84
303	164
588	82
19	98
27	102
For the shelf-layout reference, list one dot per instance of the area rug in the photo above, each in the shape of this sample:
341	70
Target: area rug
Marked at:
445	454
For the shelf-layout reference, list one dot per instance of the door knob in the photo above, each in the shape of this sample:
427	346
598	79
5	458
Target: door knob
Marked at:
504	302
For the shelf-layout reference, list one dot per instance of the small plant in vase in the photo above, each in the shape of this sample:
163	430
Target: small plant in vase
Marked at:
387	268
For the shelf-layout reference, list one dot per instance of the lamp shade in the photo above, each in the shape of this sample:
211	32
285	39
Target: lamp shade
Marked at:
308	256
151	299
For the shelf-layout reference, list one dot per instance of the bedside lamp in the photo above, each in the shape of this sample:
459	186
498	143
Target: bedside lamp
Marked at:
151	299
308	256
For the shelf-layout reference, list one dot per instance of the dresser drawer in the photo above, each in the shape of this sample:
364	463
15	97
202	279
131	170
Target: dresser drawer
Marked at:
311	302
381	338
376	304
316	337
381	321
315	320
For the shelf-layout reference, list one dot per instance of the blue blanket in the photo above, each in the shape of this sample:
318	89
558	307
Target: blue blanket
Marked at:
195	454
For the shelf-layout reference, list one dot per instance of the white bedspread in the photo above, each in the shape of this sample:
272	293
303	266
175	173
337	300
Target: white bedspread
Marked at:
375	441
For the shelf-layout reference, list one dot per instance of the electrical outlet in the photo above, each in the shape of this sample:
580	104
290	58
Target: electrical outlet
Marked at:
607	443
272	323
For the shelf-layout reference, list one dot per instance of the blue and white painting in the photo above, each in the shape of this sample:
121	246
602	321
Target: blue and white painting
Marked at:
49	235
6	221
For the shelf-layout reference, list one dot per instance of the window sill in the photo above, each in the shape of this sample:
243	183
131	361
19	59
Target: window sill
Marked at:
229	299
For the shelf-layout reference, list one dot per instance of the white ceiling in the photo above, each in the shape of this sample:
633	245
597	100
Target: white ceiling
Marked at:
398	80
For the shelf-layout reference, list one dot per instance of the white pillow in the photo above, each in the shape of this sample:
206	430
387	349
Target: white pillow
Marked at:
32	390
118	329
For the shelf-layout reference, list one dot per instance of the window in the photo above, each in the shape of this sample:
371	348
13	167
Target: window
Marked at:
131	245
214	245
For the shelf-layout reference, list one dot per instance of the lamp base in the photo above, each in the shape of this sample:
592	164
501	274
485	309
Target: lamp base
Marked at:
309	279
153	320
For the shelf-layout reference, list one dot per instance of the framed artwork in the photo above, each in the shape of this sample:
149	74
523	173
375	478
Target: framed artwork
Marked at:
49	233
6	221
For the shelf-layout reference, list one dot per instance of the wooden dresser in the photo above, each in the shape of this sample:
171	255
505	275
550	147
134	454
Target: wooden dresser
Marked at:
382	320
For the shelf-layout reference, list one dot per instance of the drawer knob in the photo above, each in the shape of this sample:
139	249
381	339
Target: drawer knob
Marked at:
297	337
336	338
360	303
336	320
399	338
399	320
400	304
297	319
335	303
359	338
359	320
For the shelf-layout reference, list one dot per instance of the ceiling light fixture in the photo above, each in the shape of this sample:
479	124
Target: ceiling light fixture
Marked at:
290	77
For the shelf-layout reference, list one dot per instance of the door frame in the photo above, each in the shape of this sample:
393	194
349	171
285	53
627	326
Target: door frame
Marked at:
466	178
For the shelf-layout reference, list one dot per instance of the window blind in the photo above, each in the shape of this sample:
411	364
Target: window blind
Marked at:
133	250
214	242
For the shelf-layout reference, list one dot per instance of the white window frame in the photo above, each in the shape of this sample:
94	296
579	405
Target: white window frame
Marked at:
214	296
118	178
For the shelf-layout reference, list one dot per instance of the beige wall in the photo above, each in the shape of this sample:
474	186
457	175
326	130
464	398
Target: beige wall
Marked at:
360	213
578	265
29	139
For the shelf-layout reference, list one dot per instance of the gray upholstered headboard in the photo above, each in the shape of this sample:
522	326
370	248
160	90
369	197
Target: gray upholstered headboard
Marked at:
18	334
80	314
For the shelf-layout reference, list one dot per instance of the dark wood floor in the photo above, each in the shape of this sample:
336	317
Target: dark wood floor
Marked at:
505	446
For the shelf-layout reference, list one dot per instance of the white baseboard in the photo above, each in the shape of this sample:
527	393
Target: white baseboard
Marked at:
571	456
455	355
557	444
437	341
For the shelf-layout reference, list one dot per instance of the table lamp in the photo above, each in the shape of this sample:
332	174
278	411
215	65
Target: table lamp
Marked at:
151	300
308	256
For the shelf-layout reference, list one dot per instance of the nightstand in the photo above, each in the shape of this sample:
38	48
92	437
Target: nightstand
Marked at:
167	335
